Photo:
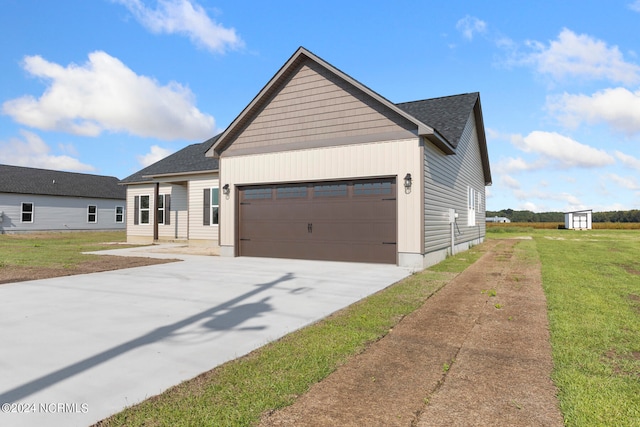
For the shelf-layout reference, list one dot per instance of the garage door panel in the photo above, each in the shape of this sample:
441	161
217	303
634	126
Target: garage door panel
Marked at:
345	221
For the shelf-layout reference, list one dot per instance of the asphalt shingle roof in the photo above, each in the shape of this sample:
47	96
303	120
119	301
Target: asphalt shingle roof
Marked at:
448	115
17	179
190	159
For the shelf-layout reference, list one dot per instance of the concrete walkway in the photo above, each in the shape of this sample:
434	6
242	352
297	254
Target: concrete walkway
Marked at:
76	349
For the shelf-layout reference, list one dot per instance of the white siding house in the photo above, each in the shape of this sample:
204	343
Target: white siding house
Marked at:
318	166
46	200
174	199
578	220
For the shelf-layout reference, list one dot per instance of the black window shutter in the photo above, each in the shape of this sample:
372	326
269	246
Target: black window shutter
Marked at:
136	210
206	212
167	209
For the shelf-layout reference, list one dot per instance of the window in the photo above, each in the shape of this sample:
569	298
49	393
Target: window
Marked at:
119	213
211	206
330	190
257	193
27	212
144	210
471	206
372	188
161	209
92	213
294	192
215	205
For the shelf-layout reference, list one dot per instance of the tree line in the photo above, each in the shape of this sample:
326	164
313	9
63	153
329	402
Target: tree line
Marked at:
528	216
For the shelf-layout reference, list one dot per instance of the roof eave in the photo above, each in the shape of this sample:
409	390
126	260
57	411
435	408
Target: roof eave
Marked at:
482	137
437	139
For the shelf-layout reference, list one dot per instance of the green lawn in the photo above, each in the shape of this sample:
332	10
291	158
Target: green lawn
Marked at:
62	250
592	283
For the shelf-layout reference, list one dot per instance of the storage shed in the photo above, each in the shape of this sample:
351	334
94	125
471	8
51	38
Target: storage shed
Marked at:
578	220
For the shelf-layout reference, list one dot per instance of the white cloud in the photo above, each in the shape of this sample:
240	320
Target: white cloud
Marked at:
629	183
618	108
628	160
187	18
510	182
580	55
105	95
635	5
156	153
470	25
571	202
518	164
562	151
31	151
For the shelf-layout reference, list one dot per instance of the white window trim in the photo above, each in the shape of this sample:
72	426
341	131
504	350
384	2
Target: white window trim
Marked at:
472	195
33	212
161	196
121	214
89	214
211	206
141	209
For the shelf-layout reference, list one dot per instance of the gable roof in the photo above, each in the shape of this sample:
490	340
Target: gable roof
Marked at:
449	116
189	160
290	67
23	180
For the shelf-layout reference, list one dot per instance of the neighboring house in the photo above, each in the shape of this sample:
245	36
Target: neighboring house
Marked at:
578	220
502	219
319	166
48	200
175	199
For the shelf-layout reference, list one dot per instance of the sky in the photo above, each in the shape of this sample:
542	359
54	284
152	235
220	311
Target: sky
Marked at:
110	86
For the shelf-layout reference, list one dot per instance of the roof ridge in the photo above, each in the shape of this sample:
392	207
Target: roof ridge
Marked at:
438	97
58	171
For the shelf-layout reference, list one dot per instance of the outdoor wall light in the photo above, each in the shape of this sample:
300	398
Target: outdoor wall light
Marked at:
407	182
226	190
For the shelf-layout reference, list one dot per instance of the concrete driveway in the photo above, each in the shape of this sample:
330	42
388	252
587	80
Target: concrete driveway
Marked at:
74	350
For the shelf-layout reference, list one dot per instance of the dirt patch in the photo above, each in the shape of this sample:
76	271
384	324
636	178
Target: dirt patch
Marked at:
466	357
10	273
631	269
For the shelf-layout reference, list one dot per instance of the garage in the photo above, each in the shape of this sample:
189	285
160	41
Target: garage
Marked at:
338	220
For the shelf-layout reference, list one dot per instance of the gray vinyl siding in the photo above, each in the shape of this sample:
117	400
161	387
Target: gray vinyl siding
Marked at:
57	213
446	180
316	108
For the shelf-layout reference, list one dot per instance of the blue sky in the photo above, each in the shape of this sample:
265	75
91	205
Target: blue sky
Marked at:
110	86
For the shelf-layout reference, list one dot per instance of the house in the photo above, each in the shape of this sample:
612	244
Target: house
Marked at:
501	219
319	166
578	220
175	199
47	200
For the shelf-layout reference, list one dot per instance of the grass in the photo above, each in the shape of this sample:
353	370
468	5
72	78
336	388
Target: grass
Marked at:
591	280
238	392
595	325
592	283
57	250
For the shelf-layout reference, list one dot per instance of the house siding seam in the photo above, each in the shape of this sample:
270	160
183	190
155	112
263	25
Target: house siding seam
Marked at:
446	181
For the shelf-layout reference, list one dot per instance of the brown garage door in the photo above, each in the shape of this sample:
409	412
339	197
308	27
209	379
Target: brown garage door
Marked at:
340	221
